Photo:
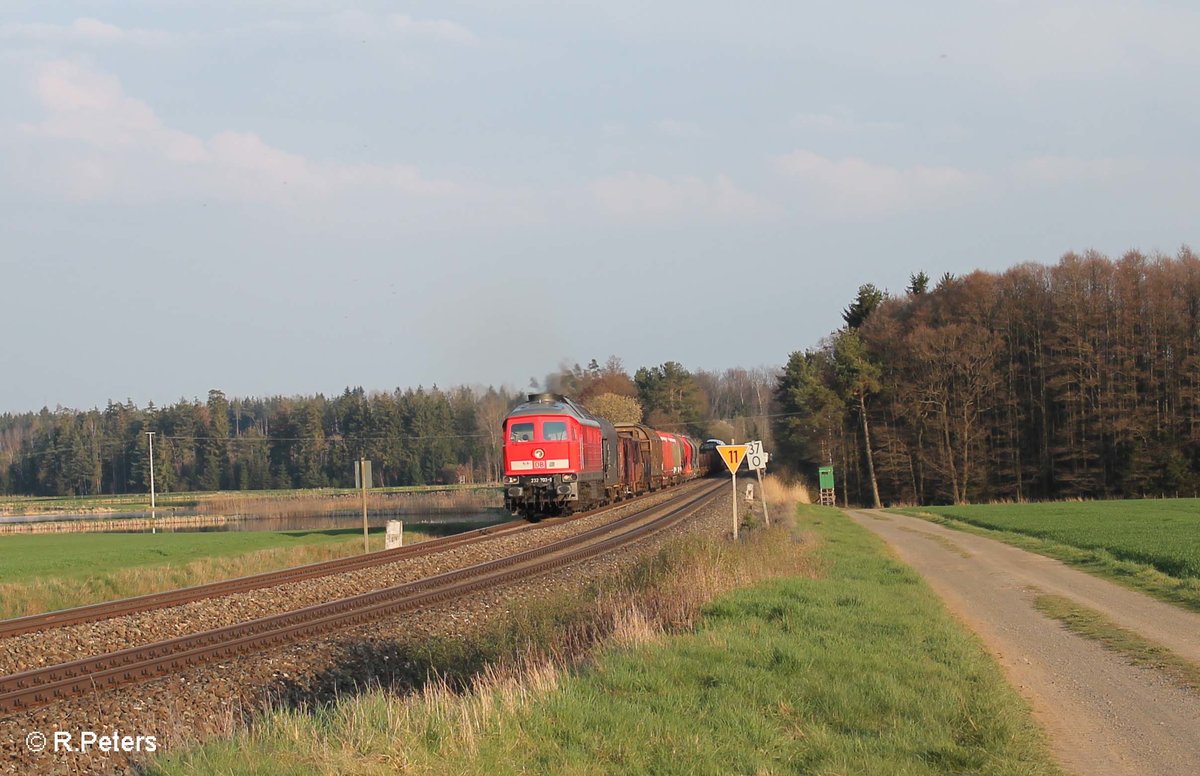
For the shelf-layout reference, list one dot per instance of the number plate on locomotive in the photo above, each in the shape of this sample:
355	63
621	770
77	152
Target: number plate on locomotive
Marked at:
541	480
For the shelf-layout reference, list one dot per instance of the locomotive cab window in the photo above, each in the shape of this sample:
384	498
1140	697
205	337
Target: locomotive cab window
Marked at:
554	430
520	432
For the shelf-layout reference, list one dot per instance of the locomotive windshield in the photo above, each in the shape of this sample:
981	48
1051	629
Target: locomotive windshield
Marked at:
520	432
554	430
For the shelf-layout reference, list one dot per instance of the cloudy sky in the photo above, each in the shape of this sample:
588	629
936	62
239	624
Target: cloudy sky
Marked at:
292	197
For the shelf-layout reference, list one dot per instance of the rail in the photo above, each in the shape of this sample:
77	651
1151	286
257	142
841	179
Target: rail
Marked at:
43	686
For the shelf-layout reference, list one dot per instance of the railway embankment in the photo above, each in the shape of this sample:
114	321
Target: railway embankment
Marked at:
805	647
194	703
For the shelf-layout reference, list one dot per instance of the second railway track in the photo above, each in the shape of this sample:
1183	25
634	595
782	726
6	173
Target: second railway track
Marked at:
143	603
39	687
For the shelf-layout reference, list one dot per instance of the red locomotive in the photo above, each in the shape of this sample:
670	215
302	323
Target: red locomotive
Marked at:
559	458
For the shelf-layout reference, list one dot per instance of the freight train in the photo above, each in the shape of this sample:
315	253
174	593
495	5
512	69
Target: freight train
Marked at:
559	458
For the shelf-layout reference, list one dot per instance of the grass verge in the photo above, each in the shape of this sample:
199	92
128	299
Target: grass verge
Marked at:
1094	625
1133	574
836	660
44	572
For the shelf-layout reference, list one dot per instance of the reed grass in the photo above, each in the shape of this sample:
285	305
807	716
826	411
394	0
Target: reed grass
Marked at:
469	496
307	503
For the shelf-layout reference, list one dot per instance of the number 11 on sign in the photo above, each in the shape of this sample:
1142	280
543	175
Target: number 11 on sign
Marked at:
733	455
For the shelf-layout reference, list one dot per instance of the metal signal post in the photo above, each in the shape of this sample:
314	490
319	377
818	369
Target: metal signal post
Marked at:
362	478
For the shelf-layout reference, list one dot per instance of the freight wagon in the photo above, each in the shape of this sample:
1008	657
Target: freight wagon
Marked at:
559	458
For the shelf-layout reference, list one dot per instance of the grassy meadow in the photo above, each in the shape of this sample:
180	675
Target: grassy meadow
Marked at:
1150	545
802	649
44	572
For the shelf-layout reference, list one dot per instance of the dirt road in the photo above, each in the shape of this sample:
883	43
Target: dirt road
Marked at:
1103	716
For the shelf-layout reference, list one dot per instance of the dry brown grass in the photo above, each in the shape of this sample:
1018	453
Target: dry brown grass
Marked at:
783	494
658	597
308	503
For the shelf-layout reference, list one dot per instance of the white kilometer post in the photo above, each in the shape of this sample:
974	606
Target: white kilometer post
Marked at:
395	535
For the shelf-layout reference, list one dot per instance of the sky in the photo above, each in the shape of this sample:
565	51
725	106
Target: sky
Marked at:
271	197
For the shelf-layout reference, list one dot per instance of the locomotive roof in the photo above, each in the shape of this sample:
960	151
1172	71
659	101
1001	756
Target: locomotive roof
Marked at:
553	404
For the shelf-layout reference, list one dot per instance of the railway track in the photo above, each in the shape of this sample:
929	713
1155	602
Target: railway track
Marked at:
168	598
144	603
40	687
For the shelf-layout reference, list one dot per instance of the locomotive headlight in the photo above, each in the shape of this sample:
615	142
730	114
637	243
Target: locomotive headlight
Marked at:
510	480
569	477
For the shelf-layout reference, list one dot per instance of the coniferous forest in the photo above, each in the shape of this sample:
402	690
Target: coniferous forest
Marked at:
412	436
1077	380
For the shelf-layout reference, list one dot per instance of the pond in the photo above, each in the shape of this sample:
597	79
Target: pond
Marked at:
436	524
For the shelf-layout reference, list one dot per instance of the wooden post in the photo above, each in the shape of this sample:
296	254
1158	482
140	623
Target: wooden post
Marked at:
763	495
150	436
362	478
153	511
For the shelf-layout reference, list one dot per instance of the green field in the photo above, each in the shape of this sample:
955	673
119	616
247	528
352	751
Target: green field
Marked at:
1164	534
1151	545
26	557
44	572
859	670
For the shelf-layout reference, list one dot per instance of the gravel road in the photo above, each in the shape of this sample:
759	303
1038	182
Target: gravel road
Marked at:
1103	716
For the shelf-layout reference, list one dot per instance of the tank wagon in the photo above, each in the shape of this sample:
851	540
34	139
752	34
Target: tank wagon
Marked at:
559	458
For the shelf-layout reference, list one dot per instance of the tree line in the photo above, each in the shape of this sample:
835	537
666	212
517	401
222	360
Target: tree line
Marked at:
1074	380
412	436
1080	379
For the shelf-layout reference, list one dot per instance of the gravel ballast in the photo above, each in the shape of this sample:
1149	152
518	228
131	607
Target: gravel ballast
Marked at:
213	698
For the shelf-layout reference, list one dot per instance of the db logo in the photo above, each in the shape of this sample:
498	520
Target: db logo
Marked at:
539	453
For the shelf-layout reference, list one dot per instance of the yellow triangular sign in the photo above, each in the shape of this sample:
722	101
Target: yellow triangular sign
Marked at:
732	455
